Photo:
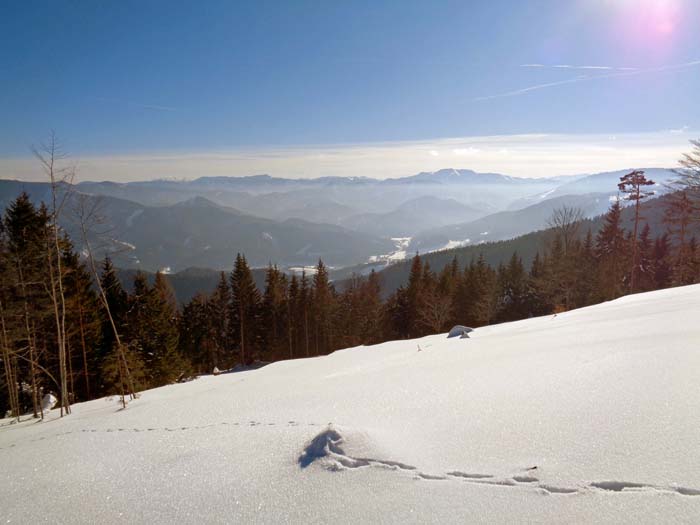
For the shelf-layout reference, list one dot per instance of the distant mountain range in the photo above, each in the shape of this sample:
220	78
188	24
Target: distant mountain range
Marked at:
346	221
591	194
332	199
192	280
198	232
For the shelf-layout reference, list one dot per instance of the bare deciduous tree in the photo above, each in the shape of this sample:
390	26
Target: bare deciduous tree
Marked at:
689	178
50	156
87	212
566	223
435	311
689	173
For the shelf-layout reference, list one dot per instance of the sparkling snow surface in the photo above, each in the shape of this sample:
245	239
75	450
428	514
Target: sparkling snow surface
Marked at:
603	401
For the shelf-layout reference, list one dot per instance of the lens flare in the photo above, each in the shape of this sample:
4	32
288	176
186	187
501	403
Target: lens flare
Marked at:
647	27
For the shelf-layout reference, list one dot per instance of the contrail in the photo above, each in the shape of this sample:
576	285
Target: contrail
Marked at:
584	78
568	66
154	107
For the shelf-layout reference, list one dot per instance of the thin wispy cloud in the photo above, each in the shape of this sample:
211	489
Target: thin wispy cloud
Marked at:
154	107
586	78
568	66
536	87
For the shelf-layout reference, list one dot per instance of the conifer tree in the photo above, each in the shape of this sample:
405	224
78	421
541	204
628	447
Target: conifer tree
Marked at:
83	324
196	333
117	301
7	352
218	307
536	285
632	186
693	261
323	301
244	326
414	296
663	271
435	302
644	280
372	309
304	311
512	291
586	273
293	317
169	364
25	227
474	300
678	215
610	250
396	317
483	282
116	358
350	320
274	313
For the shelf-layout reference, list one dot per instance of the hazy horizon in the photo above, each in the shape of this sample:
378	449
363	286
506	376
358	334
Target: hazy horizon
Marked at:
531	156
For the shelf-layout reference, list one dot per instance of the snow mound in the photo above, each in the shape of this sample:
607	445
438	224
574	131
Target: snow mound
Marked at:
326	447
321	446
459	331
48	402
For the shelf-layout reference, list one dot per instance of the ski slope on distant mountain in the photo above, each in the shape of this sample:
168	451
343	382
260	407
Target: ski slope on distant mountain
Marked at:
590	416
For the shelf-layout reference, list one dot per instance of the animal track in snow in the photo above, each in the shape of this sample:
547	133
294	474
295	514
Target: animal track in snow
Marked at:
525	479
327	449
250	424
459	474
431	476
628	486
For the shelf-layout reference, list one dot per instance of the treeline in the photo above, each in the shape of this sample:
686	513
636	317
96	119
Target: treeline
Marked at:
306	316
146	320
117	342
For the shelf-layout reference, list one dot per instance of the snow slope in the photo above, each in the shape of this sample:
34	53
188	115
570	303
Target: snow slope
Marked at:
603	401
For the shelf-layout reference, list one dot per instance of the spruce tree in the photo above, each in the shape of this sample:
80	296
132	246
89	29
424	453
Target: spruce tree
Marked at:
512	291
294	323
169	364
663	270
323	307
25	227
121	365
610	252
196	334
304	312
644	280
414	296
219	313
244	317
586	273
678	215
372	309
83	322
274	314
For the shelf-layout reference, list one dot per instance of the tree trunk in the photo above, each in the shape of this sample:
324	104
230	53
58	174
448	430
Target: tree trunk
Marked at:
84	349
12	389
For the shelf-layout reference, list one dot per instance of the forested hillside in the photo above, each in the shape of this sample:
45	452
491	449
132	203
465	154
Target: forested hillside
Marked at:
119	339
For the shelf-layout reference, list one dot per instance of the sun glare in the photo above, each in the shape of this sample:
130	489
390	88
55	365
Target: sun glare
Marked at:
645	27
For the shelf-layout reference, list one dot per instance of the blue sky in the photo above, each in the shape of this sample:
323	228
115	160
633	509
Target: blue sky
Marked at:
134	79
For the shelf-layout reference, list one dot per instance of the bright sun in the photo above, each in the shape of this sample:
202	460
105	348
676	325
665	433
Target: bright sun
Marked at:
649	25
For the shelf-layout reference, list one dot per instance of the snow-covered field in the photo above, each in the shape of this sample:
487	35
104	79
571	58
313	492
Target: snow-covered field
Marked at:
591	416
